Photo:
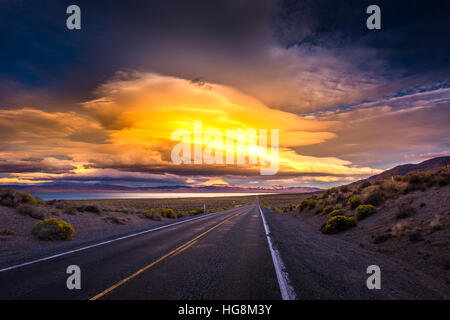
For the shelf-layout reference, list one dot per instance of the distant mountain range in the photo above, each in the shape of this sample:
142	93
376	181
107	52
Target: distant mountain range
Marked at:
431	164
105	188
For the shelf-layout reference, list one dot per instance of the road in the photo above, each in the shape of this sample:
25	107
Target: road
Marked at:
220	256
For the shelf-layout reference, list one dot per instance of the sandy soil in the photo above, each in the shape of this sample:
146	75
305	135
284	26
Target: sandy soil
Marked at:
430	219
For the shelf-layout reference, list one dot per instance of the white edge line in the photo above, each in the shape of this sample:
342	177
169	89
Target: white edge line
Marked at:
287	291
104	242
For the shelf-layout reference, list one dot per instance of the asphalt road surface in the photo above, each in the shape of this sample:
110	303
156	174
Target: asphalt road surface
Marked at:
220	256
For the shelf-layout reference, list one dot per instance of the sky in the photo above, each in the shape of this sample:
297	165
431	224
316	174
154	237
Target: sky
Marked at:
100	104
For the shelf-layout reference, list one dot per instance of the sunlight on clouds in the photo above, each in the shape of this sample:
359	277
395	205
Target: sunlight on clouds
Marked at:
128	126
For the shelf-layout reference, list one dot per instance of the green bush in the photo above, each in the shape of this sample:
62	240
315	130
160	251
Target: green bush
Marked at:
338	212
365	210
327	209
354	201
337	224
53	229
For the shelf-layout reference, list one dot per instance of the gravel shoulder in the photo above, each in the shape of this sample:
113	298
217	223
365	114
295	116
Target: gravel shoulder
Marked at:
326	267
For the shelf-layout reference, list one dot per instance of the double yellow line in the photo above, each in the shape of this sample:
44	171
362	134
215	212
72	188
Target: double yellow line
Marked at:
171	253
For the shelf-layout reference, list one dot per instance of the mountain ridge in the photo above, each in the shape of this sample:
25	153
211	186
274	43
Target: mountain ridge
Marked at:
430	164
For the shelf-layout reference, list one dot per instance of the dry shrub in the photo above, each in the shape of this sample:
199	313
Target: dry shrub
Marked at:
337	224
32	211
53	229
152	214
435	223
373	197
398	230
354	201
327	210
365	210
337	212
405	210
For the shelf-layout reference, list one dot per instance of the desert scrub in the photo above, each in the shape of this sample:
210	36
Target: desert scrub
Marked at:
414	178
340	198
167	213
278	210
354	201
404	211
152	214
365	210
53	229
308	204
337	212
12	198
365	185
327	209
375	198
32	211
382	238
6	232
398	230
94	208
435	223
196	211
337	224
415	236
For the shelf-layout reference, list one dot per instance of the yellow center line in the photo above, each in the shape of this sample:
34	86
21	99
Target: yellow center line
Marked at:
171	253
180	251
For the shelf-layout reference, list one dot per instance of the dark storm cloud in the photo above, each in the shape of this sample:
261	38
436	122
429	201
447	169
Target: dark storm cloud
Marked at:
222	41
27	165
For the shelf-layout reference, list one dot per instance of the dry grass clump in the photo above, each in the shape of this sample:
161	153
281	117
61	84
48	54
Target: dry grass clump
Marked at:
398	230
435	223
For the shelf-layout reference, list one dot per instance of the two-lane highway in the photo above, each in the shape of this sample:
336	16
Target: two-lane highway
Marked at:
220	256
